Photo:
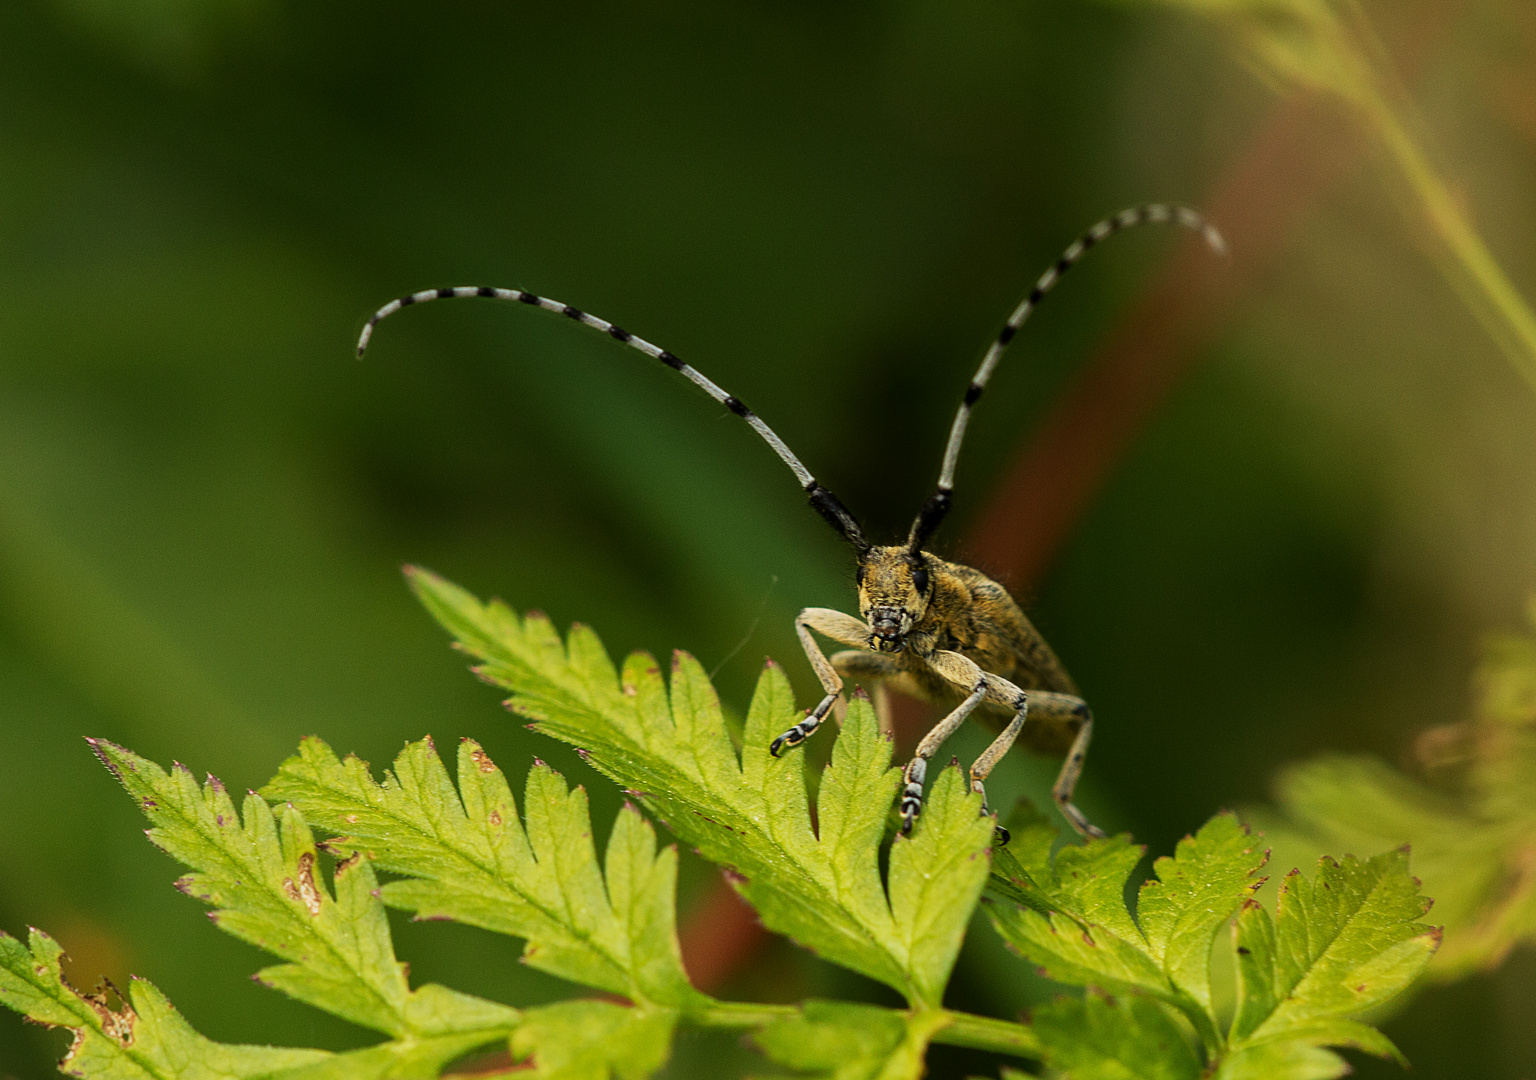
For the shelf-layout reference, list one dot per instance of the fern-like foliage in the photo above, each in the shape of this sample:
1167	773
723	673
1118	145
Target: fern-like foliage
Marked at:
1339	945
820	887
462	847
469	858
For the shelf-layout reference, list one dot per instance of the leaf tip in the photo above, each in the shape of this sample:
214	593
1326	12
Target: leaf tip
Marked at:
102	749
481	759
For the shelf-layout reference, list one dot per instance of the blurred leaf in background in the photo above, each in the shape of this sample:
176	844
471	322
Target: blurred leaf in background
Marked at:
204	501
1471	819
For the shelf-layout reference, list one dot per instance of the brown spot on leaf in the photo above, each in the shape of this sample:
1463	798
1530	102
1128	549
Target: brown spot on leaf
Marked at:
482	760
304	891
116	1024
495	818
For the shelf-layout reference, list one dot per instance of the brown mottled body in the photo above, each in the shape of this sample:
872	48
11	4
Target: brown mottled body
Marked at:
976	617
946	633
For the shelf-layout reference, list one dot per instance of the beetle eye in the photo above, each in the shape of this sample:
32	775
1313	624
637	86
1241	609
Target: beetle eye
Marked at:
920	579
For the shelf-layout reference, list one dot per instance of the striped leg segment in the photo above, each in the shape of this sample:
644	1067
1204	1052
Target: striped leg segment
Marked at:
804	729
966	675
1066	782
838	627
917	769
823	501
1045	705
938	503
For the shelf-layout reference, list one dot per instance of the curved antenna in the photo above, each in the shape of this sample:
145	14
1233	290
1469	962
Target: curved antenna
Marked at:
822	501
933	511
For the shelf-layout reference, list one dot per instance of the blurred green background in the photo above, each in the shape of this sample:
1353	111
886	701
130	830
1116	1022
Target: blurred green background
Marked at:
205	501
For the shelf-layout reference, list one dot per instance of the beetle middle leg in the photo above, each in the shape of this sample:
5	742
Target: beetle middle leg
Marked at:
1044	705
964	674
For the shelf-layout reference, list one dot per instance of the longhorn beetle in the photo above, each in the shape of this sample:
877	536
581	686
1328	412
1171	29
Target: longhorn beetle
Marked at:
932	629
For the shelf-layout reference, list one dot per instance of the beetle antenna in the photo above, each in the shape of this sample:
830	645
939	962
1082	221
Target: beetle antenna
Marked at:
933	511
822	501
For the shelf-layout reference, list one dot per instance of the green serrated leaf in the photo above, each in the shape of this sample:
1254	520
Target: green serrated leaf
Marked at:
1470	854
144	1039
1068	914
1085	882
259	873
470	859
1020	866
834	1040
1196	892
594	1040
1102	1038
670	747
259	870
1076	926
936	876
1069	952
1341	943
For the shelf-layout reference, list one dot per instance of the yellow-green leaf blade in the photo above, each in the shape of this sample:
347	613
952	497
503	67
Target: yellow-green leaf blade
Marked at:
470	858
1341	943
1196	892
143	1039
834	1040
669	748
1101	1038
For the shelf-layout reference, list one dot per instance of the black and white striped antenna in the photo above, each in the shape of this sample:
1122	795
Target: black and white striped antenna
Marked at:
823	501
933	511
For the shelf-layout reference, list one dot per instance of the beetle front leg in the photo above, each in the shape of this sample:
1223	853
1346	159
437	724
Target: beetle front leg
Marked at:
838	627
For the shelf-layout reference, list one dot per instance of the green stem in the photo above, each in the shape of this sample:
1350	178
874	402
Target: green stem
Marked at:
1364	77
737	1014
1471	268
959	1028
985	1033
